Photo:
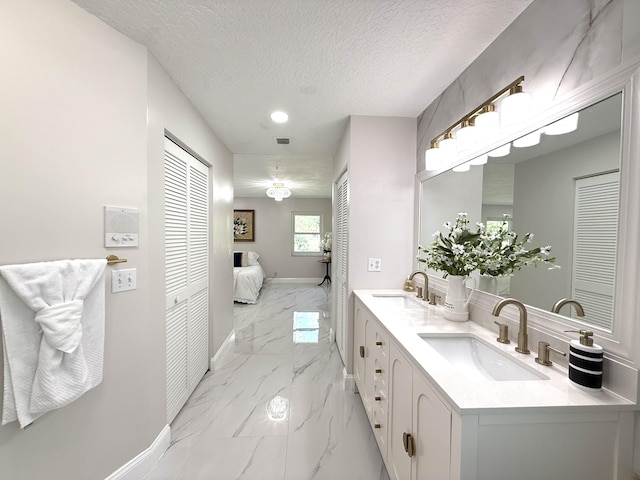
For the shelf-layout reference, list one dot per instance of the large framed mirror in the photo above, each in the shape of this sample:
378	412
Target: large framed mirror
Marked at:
564	188
577	192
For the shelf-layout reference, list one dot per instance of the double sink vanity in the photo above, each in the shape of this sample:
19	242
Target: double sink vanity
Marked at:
446	400
452	400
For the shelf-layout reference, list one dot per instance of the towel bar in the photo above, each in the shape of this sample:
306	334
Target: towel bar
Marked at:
113	259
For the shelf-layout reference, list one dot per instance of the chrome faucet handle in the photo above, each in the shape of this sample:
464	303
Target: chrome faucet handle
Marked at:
419	292
503	335
432	298
543	353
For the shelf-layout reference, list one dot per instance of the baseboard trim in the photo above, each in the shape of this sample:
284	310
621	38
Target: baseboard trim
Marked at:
140	466
226	346
349	382
296	280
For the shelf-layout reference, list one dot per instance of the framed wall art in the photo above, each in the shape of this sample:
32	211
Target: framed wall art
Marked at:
243	226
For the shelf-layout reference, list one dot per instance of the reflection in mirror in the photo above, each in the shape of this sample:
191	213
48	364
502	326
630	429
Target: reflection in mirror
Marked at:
563	187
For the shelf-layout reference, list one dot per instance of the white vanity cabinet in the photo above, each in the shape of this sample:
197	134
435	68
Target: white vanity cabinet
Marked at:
430	426
419	425
361	317
371	371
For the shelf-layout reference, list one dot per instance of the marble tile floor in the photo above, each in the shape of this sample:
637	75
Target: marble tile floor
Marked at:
276	407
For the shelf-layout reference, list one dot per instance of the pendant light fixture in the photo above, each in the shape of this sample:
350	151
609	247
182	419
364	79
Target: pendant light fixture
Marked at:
278	192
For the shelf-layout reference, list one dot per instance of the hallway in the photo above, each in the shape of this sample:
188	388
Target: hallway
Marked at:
276	407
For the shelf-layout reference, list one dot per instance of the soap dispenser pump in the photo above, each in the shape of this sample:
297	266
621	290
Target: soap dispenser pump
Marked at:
585	360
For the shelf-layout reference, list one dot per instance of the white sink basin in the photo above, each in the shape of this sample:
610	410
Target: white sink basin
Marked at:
398	301
479	360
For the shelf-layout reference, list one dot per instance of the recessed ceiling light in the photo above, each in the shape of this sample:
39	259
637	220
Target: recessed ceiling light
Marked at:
279	116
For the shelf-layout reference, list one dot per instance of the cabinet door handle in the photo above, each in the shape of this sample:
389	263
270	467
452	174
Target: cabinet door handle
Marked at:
377	399
361	351
407	442
379	344
378	370
411	448
377	425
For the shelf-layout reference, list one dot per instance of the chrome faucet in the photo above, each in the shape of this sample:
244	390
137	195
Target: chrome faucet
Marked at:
425	295
523	337
562	302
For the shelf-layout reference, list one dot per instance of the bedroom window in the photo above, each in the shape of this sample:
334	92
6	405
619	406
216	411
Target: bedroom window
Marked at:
307	233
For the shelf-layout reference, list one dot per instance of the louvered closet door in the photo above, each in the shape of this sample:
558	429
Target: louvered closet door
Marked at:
187	267
340	256
595	244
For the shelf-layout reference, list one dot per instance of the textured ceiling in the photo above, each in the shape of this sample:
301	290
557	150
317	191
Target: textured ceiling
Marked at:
320	60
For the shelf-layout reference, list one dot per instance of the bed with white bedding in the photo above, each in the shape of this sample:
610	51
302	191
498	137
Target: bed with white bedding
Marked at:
248	277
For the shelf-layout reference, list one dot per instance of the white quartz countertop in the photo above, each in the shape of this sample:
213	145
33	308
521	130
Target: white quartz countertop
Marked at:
468	395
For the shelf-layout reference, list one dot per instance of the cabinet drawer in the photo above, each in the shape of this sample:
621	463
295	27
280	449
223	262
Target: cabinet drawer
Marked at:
380	370
379	422
379	347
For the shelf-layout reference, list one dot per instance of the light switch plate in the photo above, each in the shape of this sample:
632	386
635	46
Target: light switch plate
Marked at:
123	280
375	265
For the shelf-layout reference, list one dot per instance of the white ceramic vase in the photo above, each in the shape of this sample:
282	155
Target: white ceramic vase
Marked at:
456	301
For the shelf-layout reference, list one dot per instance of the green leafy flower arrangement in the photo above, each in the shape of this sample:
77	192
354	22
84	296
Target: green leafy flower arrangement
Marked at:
325	243
457	252
460	250
506	253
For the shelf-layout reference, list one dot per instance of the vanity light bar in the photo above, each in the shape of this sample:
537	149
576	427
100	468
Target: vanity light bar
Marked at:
513	87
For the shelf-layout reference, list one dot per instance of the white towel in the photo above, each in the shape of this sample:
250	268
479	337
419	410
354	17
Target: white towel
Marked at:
52	316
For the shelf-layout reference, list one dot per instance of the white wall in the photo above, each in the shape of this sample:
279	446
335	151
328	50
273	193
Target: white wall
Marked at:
75	138
273	235
380	200
381	163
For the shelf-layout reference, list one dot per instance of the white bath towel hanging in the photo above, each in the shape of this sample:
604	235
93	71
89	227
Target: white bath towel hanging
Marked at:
52	316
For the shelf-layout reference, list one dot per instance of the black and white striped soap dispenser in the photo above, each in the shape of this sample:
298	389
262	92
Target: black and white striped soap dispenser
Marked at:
585	361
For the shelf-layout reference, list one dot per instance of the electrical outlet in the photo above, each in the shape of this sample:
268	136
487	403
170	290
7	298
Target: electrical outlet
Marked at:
375	265
123	280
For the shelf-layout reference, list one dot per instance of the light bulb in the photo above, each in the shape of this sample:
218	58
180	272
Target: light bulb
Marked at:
465	167
562	126
502	151
488	121
279	116
466	135
433	158
516	107
449	148
479	160
528	140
